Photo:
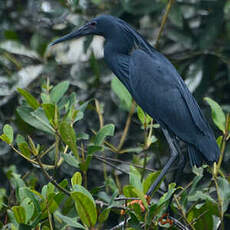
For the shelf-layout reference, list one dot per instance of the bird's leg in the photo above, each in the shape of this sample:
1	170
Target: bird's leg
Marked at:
173	155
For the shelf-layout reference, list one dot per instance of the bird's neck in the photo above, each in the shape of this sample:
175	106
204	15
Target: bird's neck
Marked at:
118	61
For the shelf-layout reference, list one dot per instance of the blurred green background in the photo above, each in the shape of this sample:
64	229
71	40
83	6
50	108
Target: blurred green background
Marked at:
196	39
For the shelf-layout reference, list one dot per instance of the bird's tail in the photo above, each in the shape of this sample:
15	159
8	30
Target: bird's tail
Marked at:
205	151
195	156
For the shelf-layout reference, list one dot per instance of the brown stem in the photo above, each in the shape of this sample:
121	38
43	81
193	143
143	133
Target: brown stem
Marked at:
98	110
110	164
183	213
50	178
164	19
126	129
124	162
223	142
220	204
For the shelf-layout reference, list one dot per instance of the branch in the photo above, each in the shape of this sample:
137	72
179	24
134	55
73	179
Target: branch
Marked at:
164	19
126	129
46	174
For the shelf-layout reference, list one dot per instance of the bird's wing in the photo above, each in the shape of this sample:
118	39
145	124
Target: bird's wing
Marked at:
160	91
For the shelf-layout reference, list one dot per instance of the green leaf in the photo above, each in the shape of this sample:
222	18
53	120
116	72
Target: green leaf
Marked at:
23	146
219	140
35	118
217	114
132	150
199	175
203	215
28	206
91	150
49	110
20	214
129	191
166	197
31	100
135	178
41	117
104	215
15	180
20	139
144	118
8	134
107	130
149	181
82	136
71	160
45	98
224	190
47	190
141	195
2	196
58	91
85	205
76	179
123	94
69	137
25	192
199	195
4	138
24	149
71	222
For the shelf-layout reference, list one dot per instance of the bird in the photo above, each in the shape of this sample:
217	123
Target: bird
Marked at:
157	88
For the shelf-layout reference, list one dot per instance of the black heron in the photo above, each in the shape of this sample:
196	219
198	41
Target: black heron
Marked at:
156	87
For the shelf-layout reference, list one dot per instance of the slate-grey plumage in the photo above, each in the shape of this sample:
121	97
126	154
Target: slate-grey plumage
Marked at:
156	87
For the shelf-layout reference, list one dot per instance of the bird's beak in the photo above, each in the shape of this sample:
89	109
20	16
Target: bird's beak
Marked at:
82	31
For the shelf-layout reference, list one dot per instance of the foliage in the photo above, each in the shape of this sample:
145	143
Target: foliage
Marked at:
53	204
75	151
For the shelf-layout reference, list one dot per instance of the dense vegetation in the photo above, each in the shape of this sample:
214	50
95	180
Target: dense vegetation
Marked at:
75	150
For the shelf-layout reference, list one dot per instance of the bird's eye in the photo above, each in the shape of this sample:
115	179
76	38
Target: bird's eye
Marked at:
93	23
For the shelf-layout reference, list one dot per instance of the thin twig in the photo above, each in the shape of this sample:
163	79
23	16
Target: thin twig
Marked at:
104	204
197	218
144	166
110	164
125	162
223	143
30	160
183	213
47	150
220	204
119	226
50	219
111	147
164	19
98	110
83	160
178	223
126	129
50	178
126	198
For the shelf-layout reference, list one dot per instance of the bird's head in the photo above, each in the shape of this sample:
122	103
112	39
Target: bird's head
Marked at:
101	25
